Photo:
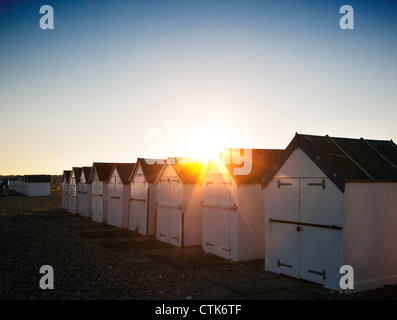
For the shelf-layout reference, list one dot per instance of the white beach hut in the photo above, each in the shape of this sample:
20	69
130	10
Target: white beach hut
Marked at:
331	202
11	183
18	183
64	188
21	184
84	198
73	189
142	211
233	204
98	178
119	194
36	185
178	192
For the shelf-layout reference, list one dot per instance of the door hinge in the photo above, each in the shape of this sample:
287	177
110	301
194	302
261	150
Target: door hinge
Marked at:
209	244
225	249
321	184
318	273
280	184
162	235
279	264
176	238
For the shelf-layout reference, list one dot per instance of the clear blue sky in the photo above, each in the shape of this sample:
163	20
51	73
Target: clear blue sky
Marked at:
110	71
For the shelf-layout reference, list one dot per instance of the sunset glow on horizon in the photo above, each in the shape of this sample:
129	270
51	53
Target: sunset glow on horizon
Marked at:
113	78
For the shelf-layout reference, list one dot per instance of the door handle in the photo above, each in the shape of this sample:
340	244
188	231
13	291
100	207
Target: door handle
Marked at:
298	228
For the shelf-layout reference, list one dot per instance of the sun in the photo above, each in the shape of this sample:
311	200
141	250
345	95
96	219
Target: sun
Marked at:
206	144
205	151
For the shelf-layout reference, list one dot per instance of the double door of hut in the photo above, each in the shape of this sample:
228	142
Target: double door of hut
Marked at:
72	201
97	201
138	212
83	199
169	219
305	237
115	191
65	195
217	213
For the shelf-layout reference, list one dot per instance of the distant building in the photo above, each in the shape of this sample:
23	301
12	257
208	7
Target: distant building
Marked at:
36	185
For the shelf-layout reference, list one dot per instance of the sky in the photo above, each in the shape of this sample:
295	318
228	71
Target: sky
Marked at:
117	80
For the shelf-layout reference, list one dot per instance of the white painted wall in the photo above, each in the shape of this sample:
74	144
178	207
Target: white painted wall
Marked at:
371	233
84	197
192	214
73	194
299	165
105	202
98	199
37	189
65	189
138	212
312	248
242	231
152	210
19	185
220	225
117	208
251	222
142	215
11	184
169	221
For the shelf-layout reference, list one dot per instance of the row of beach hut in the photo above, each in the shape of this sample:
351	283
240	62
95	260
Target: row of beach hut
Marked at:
307	210
30	185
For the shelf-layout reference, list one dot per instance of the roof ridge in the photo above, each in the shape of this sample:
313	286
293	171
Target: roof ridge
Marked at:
379	153
350	157
143	168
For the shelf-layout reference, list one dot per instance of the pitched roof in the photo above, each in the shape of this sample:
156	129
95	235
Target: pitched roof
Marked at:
102	169
66	175
33	178
190	173
150	168
77	173
262	160
345	159
124	170
87	172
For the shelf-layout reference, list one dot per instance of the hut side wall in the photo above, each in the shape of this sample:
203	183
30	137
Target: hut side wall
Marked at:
371	233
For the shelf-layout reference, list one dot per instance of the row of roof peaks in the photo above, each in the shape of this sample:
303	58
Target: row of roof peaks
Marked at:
341	159
189	171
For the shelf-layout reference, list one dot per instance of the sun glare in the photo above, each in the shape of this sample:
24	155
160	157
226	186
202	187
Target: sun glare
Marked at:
206	144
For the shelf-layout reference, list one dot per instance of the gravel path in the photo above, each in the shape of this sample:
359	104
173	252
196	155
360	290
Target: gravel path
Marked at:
97	261
91	260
